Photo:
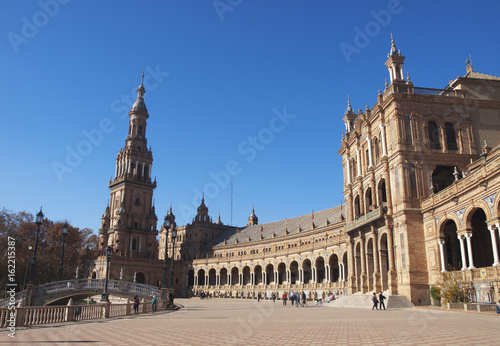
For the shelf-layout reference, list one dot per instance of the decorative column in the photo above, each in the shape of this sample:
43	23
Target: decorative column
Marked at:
327	273
493	229
461	238
358	163
288	276
348	171
441	252
469	250
382	138
370	159
196	279
264	277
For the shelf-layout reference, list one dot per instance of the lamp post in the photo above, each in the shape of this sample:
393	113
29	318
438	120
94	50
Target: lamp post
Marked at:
166	226
64	234
38	221
104	295
27	265
174	234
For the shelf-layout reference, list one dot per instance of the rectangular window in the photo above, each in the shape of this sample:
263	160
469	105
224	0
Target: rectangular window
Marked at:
407	125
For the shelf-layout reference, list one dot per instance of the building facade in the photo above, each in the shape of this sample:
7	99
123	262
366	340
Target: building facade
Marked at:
421	174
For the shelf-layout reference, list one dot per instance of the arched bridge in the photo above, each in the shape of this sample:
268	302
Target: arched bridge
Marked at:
56	293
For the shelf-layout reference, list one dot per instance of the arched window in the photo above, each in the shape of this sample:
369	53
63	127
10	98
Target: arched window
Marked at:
451	140
134	244
376	149
140	130
434	135
413	181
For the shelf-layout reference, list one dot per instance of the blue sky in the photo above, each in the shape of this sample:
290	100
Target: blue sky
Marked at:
218	73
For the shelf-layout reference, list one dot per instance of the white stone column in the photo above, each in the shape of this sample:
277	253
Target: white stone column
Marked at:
301	275
206	279
441	252
370	159
136	167
264	277
252	278
341	272
327	273
217	280
288	276
382	135
196	279
493	229
469	250
276	277
229	279
129	165
462	251
116	169
348	171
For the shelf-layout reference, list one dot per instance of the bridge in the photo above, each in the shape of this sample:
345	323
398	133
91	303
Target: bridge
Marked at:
58	293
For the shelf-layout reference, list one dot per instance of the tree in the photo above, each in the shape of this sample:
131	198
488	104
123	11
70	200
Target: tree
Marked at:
80	248
453	289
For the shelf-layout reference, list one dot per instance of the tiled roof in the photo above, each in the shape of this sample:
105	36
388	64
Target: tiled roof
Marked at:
266	230
477	75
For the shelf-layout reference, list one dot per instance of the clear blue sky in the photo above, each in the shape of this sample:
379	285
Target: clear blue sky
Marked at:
67	66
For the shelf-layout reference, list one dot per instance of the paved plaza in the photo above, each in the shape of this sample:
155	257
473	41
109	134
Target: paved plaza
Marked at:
246	322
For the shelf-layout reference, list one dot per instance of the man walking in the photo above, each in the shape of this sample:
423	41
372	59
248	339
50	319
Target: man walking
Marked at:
375	301
381	299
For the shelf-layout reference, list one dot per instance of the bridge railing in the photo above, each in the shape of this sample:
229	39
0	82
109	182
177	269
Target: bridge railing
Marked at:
36	315
116	286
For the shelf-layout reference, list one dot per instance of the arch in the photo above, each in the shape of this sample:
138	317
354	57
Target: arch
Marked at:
223	277
139	278
482	248
281	273
384	261
433	135
201	277
382	193
345	266
234	276
368	200
357	265
212	277
357	207
94	275
370	262
246	275
257	273
333	262
306	271
452	255
294	272
320	269
376	150
269	274
191	277
469	212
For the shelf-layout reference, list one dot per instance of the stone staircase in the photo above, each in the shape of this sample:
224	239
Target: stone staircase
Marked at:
365	301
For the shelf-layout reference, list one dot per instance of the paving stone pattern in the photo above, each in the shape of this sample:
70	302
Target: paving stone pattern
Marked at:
247	322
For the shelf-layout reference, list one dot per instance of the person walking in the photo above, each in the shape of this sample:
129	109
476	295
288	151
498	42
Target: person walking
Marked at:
375	301
258	297
297	299
274	297
136	304
304	304
284	298
381	299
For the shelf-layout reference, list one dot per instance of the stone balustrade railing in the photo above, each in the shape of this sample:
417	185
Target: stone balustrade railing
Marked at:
36	315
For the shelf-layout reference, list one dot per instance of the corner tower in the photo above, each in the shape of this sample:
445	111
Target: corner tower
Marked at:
129	222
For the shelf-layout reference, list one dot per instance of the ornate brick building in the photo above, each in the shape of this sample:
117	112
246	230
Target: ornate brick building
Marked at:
421	175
